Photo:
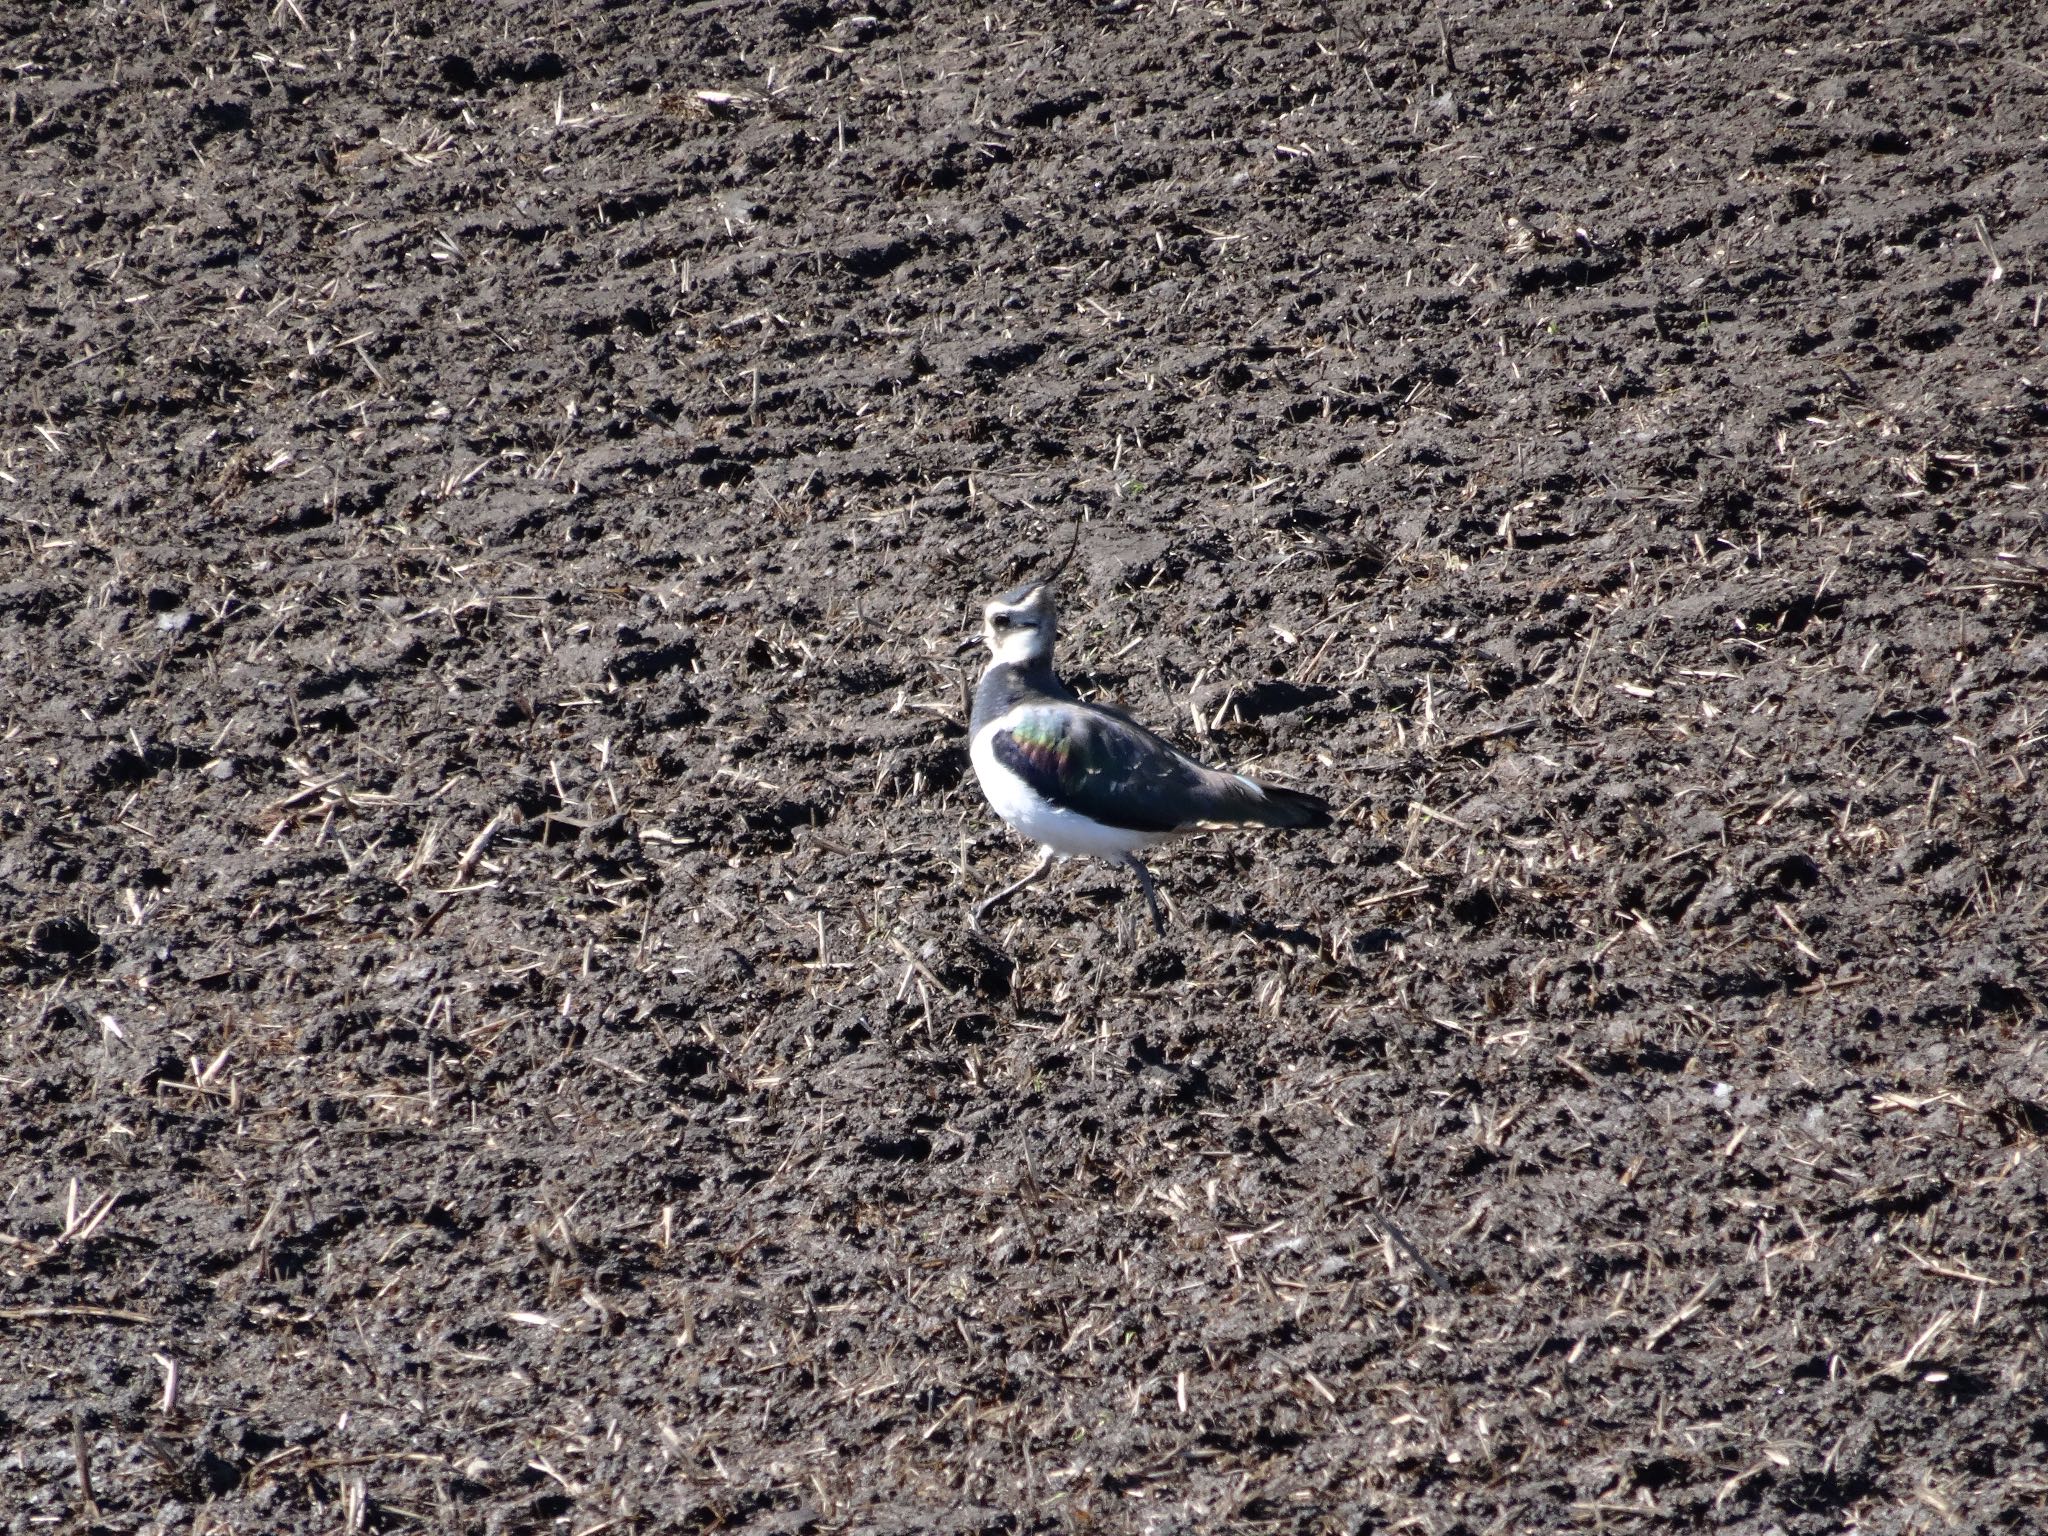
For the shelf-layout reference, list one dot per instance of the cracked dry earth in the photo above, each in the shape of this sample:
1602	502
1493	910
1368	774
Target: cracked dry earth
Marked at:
491	497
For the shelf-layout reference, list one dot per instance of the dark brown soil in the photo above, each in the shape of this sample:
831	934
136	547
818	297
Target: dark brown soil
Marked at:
485	829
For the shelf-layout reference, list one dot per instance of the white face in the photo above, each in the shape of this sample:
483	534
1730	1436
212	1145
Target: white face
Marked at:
1018	633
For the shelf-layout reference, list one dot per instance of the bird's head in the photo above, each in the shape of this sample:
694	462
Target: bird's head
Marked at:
1019	627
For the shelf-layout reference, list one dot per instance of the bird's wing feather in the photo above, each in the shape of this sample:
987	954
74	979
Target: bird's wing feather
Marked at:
1107	768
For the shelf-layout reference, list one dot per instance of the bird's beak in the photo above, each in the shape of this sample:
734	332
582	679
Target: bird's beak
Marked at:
967	644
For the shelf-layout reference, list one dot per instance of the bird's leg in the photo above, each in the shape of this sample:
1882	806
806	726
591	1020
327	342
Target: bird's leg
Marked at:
1151	894
1044	863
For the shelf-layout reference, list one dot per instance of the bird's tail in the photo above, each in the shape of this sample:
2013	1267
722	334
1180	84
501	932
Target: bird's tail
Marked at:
1269	805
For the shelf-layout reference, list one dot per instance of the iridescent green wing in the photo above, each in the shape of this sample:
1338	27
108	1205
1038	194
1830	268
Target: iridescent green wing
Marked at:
1104	768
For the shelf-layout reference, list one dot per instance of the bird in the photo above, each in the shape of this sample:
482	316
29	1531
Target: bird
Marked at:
1083	780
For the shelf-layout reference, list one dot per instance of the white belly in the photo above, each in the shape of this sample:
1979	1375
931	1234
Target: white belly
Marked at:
1065	832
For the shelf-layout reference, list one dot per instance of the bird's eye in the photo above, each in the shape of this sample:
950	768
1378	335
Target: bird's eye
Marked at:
1003	620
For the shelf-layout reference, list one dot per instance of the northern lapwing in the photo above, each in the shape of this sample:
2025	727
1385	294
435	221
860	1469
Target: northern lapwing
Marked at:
1083	779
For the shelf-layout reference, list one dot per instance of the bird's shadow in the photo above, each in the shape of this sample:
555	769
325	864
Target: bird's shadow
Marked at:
1239	925
1372	941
